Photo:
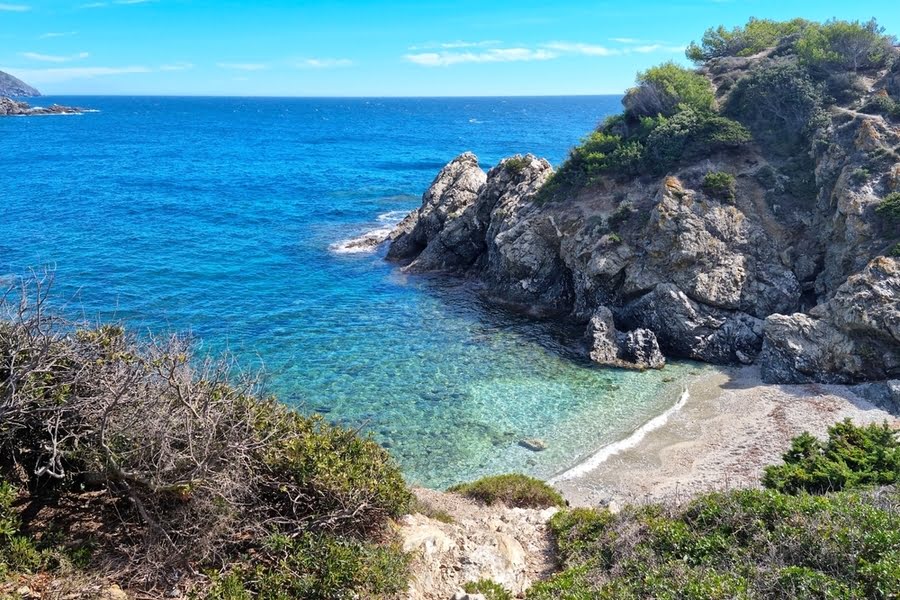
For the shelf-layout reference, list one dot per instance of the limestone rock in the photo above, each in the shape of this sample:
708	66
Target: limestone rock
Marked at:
636	349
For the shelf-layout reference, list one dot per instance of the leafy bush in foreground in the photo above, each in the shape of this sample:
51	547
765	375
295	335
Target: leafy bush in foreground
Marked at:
744	544
515	490
851	457
200	470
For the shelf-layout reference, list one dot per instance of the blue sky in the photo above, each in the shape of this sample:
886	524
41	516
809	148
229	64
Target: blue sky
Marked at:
366	48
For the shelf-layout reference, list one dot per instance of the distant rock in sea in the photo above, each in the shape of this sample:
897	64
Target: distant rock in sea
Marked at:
12	86
11	108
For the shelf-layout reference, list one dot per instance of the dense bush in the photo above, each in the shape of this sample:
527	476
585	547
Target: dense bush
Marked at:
720	185
882	104
661	90
517	491
744	544
845	45
780	103
202	471
889	208
851	457
754	37
691	134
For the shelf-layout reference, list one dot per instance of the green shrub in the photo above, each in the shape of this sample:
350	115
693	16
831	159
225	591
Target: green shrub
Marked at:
664	89
780	103
491	590
859	176
516	164
882	104
514	490
889	207
721	185
847	45
851	457
317	567
689	135
742	544
756	36
895	251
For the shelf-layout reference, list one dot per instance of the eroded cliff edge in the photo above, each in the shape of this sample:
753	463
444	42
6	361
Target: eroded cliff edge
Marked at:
794	267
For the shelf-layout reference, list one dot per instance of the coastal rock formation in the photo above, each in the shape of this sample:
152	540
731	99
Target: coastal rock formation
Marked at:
636	349
11	108
511	546
12	86
792	263
855	336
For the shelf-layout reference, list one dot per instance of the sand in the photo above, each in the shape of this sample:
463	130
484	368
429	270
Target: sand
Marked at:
731	426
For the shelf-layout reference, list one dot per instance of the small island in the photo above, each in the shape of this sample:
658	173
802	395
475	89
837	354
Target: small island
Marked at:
12	108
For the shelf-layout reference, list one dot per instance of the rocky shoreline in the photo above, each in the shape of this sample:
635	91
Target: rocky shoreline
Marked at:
13	108
804	282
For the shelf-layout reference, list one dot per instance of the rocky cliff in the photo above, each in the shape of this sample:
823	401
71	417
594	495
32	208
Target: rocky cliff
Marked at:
11	86
11	108
795	266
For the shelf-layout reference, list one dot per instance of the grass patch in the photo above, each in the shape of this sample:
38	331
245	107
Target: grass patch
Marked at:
491	590
515	491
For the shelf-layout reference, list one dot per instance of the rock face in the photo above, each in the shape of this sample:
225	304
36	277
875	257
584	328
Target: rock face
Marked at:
11	108
855	336
792	272
11	86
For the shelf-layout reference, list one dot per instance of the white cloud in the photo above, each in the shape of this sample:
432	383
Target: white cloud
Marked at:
180	66
323	63
14	8
58	74
56	34
443	59
243	66
584	49
114	2
456	45
53	58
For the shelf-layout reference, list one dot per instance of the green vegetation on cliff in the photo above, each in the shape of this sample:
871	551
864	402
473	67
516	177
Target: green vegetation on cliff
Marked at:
515	491
675	115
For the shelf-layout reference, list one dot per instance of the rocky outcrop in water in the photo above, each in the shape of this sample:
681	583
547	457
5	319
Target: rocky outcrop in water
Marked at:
792	271
12	86
12	108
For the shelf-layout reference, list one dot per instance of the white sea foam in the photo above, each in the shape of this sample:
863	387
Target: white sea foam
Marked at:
369	241
610	450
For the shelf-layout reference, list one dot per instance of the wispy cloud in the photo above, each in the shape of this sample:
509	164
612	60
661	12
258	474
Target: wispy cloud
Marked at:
53	58
180	66
14	8
323	63
455	45
59	74
243	66
115	3
56	34
544	51
494	55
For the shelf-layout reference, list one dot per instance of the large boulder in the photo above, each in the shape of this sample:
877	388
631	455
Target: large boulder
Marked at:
853	337
636	349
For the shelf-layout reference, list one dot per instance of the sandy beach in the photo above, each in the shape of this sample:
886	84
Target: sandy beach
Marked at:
731	426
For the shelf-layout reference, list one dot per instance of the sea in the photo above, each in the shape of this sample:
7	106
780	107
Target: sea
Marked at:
222	219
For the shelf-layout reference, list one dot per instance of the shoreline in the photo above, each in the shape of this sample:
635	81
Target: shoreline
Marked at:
726	428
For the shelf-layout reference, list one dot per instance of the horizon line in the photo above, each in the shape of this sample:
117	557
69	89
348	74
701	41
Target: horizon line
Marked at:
324	97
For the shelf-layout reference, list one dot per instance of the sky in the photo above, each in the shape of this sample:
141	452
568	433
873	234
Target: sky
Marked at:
368	48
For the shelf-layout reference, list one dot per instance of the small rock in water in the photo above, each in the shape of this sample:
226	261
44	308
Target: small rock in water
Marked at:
668	379
533	444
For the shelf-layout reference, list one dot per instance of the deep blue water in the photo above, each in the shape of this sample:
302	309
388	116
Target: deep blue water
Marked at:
216	217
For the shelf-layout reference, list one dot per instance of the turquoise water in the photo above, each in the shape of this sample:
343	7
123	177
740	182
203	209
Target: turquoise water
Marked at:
216	217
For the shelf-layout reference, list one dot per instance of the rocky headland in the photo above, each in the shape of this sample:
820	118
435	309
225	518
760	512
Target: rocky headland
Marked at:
13	86
12	108
772	240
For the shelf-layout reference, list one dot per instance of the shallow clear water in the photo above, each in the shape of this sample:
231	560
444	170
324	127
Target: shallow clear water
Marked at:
215	217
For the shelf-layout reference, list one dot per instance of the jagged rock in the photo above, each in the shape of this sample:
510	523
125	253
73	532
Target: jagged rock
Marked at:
451	194
636	349
11	108
533	444
687	328
853	337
